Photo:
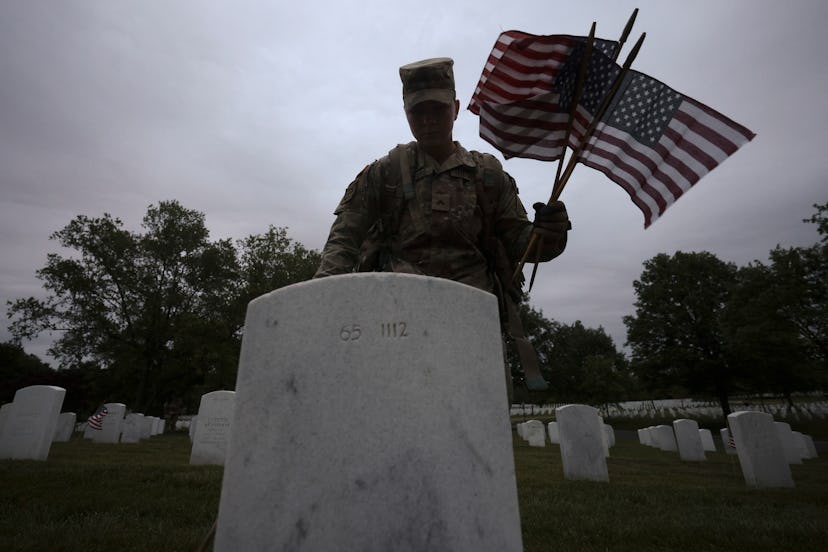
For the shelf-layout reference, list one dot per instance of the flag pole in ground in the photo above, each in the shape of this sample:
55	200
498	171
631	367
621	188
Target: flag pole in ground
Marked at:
576	98
573	159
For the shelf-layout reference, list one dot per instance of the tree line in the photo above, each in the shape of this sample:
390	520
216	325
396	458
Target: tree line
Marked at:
155	319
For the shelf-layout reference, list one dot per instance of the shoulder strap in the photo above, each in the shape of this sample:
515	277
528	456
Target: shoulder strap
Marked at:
488	173
397	190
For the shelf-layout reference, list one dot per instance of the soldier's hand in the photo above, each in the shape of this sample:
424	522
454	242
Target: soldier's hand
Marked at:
551	221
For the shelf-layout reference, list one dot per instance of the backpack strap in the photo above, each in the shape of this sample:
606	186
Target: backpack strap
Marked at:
508	293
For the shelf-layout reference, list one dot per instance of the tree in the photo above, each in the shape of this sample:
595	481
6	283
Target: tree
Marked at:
760	341
676	332
581	364
776	321
19	369
802	275
127	300
586	367
158	314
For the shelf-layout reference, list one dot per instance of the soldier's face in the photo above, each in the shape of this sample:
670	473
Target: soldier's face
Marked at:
432	122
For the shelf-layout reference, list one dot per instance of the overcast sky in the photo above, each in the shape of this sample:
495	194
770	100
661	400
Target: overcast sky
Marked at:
259	112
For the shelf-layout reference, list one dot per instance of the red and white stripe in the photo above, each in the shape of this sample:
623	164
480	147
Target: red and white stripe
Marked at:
519	112
697	140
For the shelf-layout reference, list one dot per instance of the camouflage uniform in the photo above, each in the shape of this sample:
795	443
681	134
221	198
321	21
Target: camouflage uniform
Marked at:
440	226
457	218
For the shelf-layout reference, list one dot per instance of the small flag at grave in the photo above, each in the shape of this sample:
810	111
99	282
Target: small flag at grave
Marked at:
95	421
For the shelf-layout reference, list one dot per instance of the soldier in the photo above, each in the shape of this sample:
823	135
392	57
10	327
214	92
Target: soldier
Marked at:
432	207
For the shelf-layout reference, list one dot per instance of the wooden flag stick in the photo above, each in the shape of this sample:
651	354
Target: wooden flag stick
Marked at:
573	158
624	35
576	98
616	84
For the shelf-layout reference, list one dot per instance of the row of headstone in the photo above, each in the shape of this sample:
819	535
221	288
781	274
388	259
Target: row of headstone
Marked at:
28	423
688	408
684	436
32	412
118	426
766	448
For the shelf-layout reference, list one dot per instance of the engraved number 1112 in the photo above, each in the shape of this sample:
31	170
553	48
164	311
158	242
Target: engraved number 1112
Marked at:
394	329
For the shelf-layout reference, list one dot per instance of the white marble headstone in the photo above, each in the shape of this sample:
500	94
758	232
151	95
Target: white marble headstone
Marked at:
688	440
760	451
133	427
192	429
30	422
147	424
707	440
552	430
582	436
665	438
811	446
534	433
411	448
215	414
790	445
4	415
728	443
111	425
65	426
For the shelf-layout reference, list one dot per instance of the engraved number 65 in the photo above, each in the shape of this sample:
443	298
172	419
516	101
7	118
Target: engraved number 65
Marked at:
350	332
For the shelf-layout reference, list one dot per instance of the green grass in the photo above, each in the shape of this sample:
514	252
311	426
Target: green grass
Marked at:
146	497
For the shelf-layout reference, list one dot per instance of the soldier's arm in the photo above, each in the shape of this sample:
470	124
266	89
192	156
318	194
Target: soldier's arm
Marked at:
354	216
515	229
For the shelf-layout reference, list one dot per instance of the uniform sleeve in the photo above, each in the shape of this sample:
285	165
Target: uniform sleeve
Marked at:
355	215
514	228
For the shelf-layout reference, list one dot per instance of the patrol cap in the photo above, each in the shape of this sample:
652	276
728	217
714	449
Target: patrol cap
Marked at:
429	79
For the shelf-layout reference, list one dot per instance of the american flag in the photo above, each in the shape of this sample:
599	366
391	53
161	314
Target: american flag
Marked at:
95	421
654	142
518	104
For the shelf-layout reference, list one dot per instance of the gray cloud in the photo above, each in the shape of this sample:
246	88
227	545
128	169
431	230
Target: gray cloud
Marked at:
260	113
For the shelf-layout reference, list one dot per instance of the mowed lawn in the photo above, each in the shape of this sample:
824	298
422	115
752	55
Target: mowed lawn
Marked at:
146	497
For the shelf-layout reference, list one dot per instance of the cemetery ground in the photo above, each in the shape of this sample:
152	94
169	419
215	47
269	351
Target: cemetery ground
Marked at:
147	497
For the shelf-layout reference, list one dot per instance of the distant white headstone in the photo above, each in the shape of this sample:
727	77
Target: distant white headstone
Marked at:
811	446
412	450
582	443
193	425
643	436
610	433
110	431
30	422
799	440
5	410
148	425
688	440
133	427
534	433
727	441
707	440
760	451
790	445
665	438
65	426
552	430
215	413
